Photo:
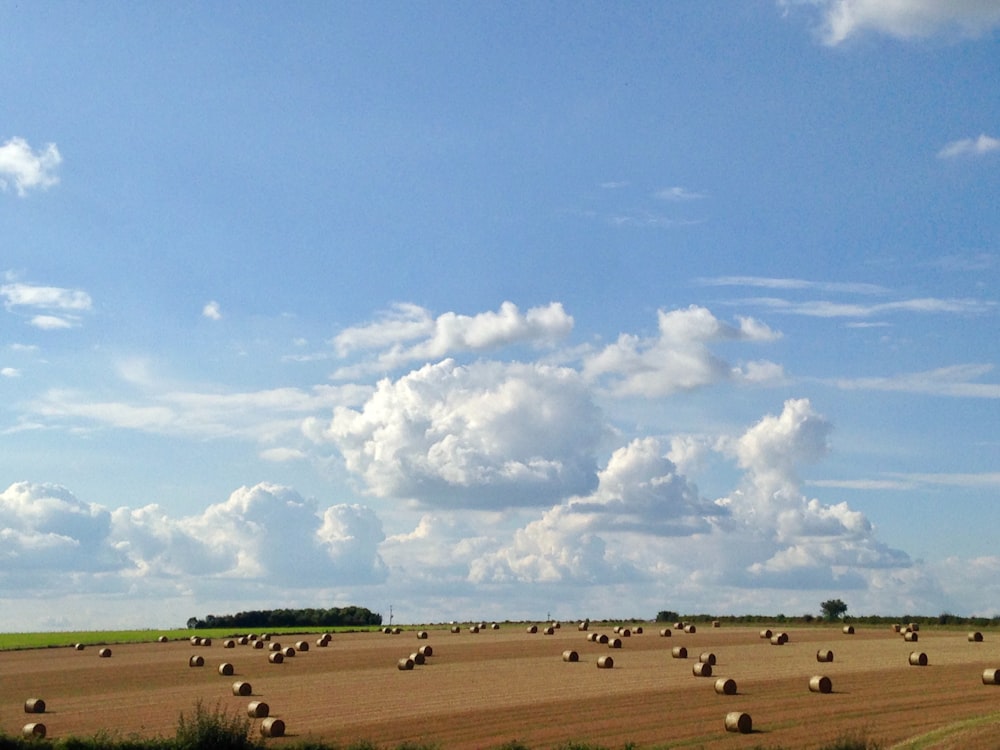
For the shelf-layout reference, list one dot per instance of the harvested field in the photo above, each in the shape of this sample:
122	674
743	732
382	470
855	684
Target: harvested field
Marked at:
480	691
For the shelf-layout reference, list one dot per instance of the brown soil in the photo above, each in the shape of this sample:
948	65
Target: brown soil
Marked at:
482	690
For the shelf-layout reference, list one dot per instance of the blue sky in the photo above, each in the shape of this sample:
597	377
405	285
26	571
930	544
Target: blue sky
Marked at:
488	311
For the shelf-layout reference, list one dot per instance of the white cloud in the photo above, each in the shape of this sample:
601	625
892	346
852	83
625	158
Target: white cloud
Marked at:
27	169
984	144
827	309
53	322
907	19
789	283
484	435
679	358
448	333
10	372
678	194
212	310
59	306
956	381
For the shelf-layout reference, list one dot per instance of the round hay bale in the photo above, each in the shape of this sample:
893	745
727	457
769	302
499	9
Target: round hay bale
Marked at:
911	637
162	639
473	628
777	640
532	629
258	709
707	657
226	669
34	729
665	633
679	652
605	662
322	642
766	633
556	624
592	637
425	651
820	684
229	643
266	636
259	645
848	630
302	645
494	626
417	657
288	651
404	664
637	630
625	633
896	627
602	639
725	686
549	630
583	626
918	659
615	643
242	688
274	646
243	640
387	630
195	640
824	654
716	624
616	629
991	676
975	637
455	629
701	669
739	722
914	627
276	657
570	655
104	653
272	727
78	646
34	706
421	635
690	629
206	641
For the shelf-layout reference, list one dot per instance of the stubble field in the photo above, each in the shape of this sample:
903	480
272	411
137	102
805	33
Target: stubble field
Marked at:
480	690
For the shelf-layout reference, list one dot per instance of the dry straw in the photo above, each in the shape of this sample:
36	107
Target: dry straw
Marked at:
701	669
78	646
592	637
848	630
289	652
991	676
162	639
585	625
615	643
272	727
739	722
918	659
34	706
638	630
707	657
725	686
196	661
824	654
275	646
911	636
820	684
679	652
258	645
226	669
532	629
716	624
276	657
766	633
605	662
602	639
404	664
549	630
570	655
258	709
690	629
665	633
34	729
425	651
417	658
229	643
242	688
456	629
421	635
302	645
104	653
975	637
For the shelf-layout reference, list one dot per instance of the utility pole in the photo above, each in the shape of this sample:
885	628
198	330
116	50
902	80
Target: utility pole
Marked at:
390	614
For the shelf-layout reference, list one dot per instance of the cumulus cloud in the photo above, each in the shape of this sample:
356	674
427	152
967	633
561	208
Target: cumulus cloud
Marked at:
984	144
679	358
55	307
27	169
10	372
484	435
435	338
906	19
212	310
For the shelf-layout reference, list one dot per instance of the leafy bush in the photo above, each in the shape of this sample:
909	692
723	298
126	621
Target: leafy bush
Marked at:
216	729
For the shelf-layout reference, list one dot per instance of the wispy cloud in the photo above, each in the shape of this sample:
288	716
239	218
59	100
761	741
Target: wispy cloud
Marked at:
678	193
984	144
827	309
957	381
767	282
10	372
55	307
904	19
26	168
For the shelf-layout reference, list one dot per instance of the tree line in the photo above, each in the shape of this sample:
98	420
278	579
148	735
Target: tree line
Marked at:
290	618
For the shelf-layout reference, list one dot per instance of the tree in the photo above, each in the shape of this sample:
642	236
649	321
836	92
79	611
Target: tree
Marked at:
666	615
833	609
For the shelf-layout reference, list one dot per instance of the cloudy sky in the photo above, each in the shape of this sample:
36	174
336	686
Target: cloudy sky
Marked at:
498	311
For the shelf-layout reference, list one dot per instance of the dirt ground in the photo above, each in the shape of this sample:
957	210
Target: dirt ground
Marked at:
484	689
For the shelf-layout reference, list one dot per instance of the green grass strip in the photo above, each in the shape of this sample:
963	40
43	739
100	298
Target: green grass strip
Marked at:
948	730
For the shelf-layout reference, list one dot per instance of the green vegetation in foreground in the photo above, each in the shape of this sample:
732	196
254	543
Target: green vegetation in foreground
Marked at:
12	641
218	729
